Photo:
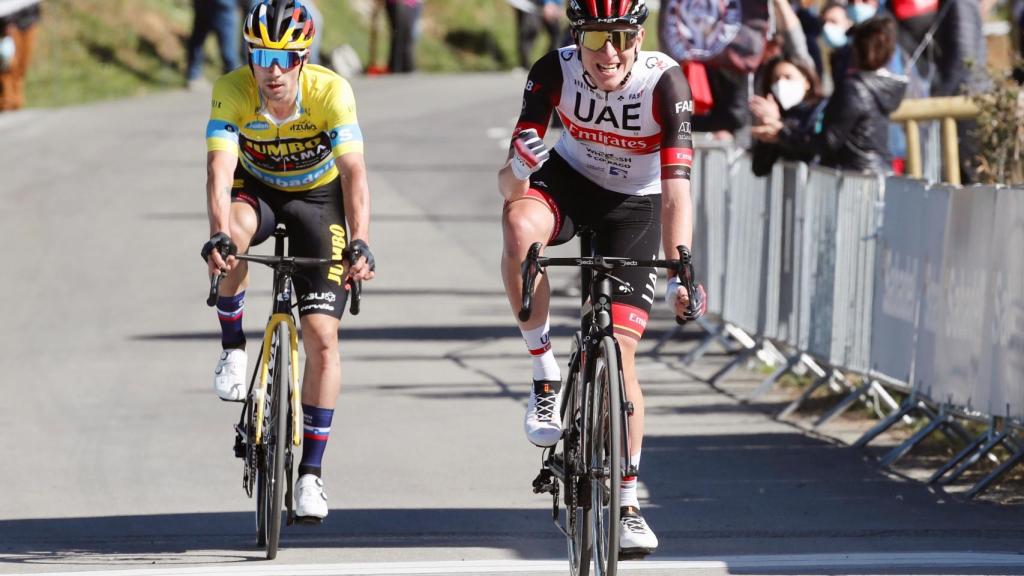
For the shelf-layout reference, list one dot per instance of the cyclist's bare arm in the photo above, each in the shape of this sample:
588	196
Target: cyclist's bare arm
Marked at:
352	168
220	174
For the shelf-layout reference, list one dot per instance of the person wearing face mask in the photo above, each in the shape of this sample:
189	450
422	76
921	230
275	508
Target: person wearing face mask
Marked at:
835	29
862	10
786	113
855	126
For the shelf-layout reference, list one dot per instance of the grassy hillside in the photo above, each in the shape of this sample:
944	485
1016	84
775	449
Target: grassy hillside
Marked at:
90	50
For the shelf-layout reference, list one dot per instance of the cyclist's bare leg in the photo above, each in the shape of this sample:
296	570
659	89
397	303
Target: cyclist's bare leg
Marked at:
243	227
321	380
525	221
633	393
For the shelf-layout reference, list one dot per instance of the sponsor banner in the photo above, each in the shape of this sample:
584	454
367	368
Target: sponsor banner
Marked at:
1004	323
957	306
899	278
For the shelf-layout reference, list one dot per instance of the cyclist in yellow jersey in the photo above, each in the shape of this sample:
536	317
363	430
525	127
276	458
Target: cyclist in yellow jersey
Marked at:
284	146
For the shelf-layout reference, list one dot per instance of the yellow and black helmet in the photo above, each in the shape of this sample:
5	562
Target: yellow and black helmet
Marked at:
279	25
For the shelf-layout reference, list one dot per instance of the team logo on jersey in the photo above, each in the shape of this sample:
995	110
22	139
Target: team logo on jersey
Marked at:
303	126
655	62
684	106
684	128
616	171
257	125
627	119
568	54
287	155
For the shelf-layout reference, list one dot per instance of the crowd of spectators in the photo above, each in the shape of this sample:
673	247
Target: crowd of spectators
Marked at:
829	75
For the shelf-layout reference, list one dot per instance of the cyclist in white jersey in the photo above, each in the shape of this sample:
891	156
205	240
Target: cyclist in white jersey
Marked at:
621	168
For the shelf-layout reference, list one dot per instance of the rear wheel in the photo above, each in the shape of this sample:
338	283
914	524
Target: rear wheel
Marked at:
606	457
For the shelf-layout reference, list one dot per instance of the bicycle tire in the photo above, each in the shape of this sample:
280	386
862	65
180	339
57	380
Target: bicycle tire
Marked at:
277	447
606	457
577	509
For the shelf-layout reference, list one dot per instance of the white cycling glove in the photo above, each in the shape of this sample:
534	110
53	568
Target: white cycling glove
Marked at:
529	153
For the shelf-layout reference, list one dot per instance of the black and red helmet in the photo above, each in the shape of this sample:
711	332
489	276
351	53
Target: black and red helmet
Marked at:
584	12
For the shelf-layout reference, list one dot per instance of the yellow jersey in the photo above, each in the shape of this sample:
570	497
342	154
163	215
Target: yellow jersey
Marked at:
293	155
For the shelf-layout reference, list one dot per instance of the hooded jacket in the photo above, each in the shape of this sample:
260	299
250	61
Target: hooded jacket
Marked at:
855	128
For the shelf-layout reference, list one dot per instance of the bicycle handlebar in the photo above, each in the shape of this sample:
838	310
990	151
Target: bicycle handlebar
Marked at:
534	264
275	262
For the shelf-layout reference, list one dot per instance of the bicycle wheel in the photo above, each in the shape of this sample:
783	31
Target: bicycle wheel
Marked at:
279	441
577	497
605	457
275	442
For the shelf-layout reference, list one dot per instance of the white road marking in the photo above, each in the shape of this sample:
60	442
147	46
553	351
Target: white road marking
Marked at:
746	564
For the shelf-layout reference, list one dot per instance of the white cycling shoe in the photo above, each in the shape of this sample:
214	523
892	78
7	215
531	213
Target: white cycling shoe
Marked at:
542	419
310	498
635	536
229	377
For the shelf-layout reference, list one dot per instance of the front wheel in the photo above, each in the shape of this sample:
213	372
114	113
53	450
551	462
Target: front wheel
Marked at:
575	458
606	457
280	417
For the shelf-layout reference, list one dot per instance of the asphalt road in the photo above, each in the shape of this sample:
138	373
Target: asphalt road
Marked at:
117	455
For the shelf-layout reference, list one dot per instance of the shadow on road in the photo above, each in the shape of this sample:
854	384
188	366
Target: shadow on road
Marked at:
230	536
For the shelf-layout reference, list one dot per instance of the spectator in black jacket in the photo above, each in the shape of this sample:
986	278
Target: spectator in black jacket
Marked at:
786	113
855	128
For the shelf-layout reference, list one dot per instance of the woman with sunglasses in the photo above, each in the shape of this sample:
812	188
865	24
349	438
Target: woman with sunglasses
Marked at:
621	167
284	145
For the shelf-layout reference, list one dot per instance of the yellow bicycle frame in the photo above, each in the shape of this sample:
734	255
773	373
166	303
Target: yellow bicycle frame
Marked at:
293	376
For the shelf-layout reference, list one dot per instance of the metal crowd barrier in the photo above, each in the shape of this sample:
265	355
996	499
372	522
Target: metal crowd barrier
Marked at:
918	289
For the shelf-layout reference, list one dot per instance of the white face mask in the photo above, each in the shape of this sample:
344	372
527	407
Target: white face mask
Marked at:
835	35
861	12
788	93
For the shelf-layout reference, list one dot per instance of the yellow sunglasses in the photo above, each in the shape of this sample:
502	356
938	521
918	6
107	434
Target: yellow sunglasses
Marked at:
620	39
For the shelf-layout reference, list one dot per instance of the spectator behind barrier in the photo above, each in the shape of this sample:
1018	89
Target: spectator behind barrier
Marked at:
835	28
17	37
786	113
855	128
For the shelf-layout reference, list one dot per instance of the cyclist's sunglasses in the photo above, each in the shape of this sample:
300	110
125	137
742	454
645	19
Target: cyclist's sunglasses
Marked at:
595	39
285	59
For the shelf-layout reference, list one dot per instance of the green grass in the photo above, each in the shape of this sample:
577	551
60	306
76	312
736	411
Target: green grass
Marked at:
88	50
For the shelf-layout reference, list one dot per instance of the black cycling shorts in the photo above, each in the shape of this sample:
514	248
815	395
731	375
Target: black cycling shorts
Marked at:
625	225
315	221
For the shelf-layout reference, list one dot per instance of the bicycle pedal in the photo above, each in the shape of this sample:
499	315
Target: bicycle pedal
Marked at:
239	447
544	482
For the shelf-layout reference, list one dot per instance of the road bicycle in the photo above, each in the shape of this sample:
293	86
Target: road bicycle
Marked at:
585	468
270	425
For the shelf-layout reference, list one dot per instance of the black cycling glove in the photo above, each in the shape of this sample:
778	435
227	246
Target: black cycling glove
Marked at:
359	248
222	243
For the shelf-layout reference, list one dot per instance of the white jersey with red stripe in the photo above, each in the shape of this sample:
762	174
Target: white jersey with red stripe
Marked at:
625	140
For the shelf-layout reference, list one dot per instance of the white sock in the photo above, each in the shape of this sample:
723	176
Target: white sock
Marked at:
627	490
538	342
